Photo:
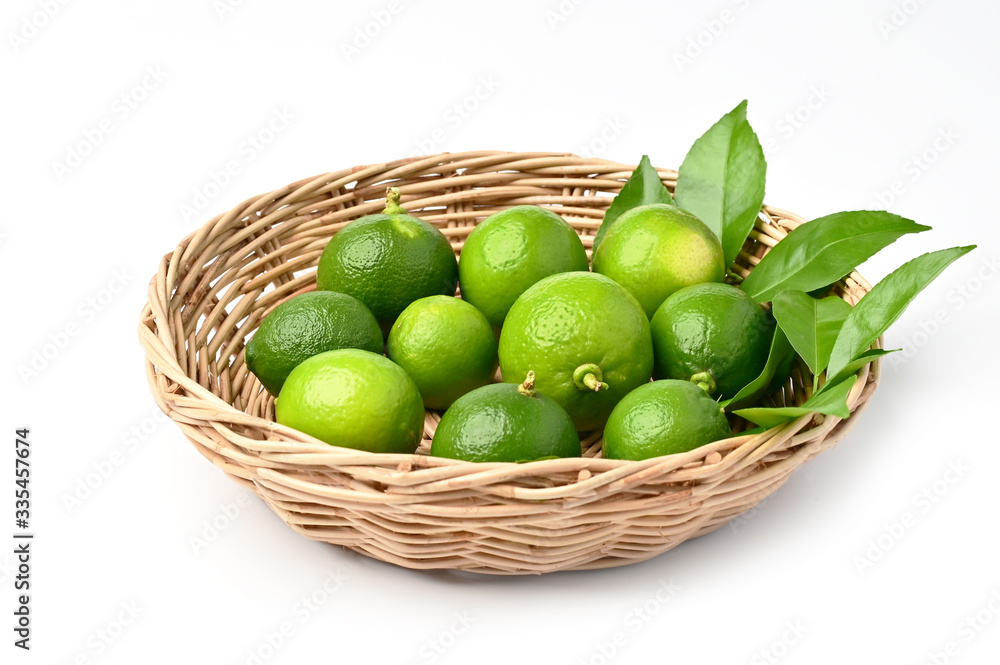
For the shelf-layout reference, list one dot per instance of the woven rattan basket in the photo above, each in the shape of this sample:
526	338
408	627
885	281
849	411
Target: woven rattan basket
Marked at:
212	291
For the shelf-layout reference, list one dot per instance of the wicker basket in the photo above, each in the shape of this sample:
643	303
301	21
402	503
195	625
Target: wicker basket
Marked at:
417	511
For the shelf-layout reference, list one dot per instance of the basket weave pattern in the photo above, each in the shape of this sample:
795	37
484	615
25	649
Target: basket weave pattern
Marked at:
417	511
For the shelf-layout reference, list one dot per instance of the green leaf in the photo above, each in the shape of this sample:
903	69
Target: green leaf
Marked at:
856	364
821	252
779	353
811	325
886	302
832	402
643	188
721	180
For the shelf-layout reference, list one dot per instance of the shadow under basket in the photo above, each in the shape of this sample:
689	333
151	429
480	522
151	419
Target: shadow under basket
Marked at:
212	291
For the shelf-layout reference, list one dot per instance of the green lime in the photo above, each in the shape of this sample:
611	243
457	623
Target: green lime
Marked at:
387	261
586	338
714	335
657	249
305	325
503	422
663	418
511	250
446	346
353	399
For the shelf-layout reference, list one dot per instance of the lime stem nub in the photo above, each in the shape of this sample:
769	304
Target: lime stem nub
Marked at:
705	381
528	387
392	206
588	377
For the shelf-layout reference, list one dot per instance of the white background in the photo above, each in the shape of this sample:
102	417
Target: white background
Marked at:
844	99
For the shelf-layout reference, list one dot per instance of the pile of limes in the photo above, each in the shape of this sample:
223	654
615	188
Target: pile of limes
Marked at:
575	348
578	342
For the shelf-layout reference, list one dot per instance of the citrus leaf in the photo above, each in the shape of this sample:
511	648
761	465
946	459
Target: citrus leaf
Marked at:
643	188
832	402
780	350
811	325
822	251
721	181
886	302
856	364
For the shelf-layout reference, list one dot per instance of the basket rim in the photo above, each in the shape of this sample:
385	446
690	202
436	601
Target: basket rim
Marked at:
406	462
